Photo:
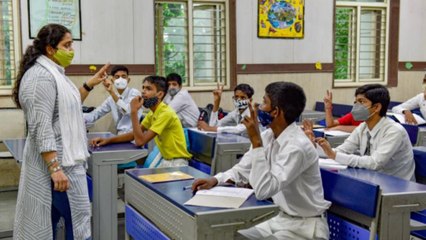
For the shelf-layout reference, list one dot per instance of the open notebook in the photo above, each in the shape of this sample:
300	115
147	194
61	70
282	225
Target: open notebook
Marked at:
330	164
221	197
166	177
401	118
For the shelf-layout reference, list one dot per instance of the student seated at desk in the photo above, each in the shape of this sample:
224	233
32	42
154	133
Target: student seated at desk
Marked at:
231	123
418	101
181	101
118	103
281	164
384	145
161	123
347	123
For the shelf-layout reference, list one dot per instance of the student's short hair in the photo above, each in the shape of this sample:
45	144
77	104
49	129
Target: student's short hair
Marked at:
174	77
376	93
245	88
159	82
288	97
117	68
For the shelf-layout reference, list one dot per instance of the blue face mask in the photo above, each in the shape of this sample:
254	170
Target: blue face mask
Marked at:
264	118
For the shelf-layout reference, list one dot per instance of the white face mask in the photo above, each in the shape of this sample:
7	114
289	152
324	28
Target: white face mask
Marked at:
120	83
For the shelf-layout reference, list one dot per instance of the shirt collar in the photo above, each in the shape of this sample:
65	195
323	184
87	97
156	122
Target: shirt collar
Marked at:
284	134
376	128
60	68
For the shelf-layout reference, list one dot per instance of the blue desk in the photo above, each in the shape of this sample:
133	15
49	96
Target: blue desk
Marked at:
220	151
102	166
163	205
398	199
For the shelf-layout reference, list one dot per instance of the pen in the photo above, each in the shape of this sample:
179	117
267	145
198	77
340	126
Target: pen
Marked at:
189	187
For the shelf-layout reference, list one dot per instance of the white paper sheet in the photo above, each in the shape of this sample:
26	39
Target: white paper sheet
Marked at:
222	197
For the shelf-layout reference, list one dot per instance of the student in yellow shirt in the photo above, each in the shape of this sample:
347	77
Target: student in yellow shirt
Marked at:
161	123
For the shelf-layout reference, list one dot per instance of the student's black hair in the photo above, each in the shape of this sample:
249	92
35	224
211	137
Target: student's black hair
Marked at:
376	93
117	68
50	34
288	97
174	77
159	82
245	88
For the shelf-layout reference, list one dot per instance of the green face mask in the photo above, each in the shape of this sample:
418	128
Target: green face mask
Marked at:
64	57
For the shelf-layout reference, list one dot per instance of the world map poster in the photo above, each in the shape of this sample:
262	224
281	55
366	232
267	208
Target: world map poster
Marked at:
281	18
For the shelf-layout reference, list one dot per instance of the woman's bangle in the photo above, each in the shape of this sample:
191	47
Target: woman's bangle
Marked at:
87	87
52	161
55	169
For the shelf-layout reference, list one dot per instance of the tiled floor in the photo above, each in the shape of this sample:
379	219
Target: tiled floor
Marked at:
7	214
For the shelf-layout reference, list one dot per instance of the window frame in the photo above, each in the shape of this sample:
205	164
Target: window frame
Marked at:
230	37
6	90
359	7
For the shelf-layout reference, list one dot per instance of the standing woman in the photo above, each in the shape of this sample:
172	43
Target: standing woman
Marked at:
53	176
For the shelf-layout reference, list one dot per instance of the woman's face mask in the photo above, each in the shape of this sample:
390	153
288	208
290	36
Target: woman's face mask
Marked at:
360	112
241	104
120	83
64	57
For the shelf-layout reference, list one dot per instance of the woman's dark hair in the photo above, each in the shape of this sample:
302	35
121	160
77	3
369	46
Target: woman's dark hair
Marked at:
50	34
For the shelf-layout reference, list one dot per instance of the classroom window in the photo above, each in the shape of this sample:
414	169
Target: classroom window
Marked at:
361	40
7	45
192	40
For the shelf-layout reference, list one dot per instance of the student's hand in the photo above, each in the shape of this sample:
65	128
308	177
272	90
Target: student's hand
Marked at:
204	183
60	181
217	93
202	125
97	142
325	145
328	100
136	103
252	125
99	77
409	117
108	84
308	129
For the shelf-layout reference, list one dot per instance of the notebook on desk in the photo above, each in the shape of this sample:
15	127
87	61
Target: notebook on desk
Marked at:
221	197
166	177
401	118
331	164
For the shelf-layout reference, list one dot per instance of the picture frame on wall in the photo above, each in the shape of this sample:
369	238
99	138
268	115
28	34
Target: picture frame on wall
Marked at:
281	18
64	12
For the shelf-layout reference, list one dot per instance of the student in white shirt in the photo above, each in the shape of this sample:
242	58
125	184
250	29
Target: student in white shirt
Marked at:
281	164
118	103
181	101
231	123
383	144
418	101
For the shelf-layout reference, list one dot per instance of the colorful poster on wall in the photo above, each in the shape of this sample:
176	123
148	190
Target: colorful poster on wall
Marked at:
281	18
64	12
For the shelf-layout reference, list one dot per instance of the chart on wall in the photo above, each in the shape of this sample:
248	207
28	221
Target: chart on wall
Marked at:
281	18
64	12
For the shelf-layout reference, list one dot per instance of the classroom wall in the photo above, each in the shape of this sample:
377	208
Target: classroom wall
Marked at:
123	32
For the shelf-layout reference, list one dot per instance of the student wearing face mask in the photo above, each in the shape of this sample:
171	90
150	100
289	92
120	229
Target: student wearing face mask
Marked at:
383	144
161	124
118	103
231	123
180	100
281	164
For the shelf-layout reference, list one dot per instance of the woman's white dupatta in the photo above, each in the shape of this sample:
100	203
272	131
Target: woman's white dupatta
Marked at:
73	131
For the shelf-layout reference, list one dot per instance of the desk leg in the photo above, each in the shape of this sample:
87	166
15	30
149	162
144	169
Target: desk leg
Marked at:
104	208
394	222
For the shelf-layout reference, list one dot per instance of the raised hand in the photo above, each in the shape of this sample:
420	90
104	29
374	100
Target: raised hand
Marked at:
309	130
252	125
99	77
108	84
328	100
217	93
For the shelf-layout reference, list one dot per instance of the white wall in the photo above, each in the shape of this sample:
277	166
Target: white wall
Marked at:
412	33
112	31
